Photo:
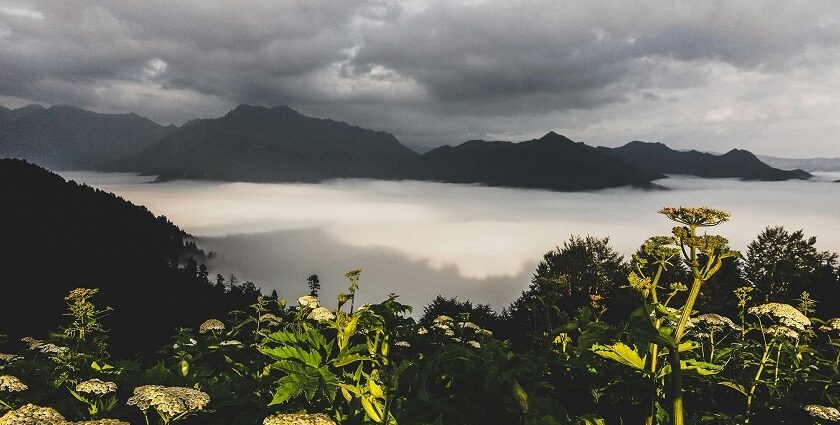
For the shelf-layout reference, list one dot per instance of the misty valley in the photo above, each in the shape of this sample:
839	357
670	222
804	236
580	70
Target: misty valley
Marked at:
422	239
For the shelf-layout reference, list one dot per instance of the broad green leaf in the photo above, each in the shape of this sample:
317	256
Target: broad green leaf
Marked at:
737	387
591	419
520	395
375	389
372	409
621	353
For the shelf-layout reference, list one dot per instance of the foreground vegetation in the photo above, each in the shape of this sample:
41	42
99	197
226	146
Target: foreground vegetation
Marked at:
688	331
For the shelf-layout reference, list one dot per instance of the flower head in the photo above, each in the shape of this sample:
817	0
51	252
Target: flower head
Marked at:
170	401
474	344
404	344
784	314
701	217
823	412
6	358
308	301
9	383
211	325
102	422
96	386
31	414
298	419
230	342
321	314
832	325
782	331
270	319
81	294
713	322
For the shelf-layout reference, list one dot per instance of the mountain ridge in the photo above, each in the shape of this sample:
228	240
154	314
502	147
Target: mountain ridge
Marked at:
552	162
736	163
284	145
66	137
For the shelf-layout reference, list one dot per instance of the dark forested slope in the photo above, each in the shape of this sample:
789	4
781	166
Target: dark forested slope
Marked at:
58	235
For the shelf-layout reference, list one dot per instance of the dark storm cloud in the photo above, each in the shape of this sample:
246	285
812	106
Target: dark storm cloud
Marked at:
429	71
577	52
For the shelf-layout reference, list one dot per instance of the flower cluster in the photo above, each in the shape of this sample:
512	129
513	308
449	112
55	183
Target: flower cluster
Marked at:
9	383
832	325
321	314
210	325
169	401
713	322
230	342
102	422
81	294
31	414
701	217
97	387
308	301
298	419
784	314
823	412
269	319
782	331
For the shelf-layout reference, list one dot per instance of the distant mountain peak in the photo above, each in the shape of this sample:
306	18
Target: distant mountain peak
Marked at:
257	143
551	136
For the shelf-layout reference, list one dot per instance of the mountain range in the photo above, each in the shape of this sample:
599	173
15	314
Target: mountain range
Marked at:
66	137
737	163
279	144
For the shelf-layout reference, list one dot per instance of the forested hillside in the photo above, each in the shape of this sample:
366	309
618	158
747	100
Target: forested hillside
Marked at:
58	235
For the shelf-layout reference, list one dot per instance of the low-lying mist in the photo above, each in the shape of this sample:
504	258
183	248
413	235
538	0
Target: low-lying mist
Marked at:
421	239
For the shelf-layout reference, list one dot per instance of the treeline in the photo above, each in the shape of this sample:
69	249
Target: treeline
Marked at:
779	266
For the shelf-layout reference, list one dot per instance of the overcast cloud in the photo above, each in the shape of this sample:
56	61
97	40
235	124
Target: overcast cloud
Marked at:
761	75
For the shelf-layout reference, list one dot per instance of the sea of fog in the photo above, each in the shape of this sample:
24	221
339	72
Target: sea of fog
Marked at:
421	239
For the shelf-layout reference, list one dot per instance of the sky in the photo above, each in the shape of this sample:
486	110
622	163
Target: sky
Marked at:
710	75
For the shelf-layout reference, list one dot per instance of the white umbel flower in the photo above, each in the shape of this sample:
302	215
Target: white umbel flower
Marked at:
298	419
171	401
823	412
97	387
31	414
210	325
784	314
308	301
9	383
321	314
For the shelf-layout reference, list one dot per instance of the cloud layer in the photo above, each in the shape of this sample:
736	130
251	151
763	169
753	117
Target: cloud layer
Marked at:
762	75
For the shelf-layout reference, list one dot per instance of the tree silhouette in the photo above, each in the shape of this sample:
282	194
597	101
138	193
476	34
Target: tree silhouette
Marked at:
314	285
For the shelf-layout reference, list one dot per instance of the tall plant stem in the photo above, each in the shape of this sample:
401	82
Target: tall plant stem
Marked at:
651	414
676	384
758	373
654	353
